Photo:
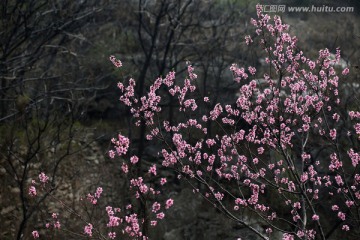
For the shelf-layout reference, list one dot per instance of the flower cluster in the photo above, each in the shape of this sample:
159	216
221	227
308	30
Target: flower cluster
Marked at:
121	146
94	198
117	63
43	180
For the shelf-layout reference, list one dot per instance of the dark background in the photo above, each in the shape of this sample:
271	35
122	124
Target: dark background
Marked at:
59	103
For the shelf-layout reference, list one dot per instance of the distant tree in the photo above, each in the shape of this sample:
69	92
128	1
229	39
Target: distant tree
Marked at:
41	99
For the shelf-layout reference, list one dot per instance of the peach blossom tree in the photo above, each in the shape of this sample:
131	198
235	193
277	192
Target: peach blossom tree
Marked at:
286	151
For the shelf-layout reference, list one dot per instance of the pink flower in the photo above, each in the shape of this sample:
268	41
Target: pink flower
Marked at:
315	217
345	228
260	150
169	203
252	70
297	205
349	203
339	180
311	65
98	192
345	71
111	154
333	134
43	178
109	210
134	159
57	225
125	168
88	229
160	215
112	235
156	207
288	236
300	234
113	221
121	145
335	163
92	199
117	63
152	169
304	177
248	39
32	191
219	196
355	157
35	234
341	215
163	181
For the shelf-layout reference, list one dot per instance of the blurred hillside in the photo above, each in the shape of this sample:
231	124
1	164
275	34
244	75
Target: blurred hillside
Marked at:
59	102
